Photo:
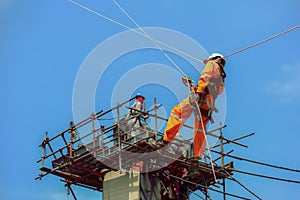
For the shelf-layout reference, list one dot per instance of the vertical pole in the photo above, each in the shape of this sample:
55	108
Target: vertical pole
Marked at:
119	138
224	189
155	119
44	150
222	147
102	139
222	160
145	124
93	133
71	141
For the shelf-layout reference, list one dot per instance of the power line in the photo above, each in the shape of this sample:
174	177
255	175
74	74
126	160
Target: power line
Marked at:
268	177
203	186
259	163
134	30
171	47
263	41
192	192
242	185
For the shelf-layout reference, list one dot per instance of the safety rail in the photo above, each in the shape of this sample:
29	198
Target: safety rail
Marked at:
103	138
86	148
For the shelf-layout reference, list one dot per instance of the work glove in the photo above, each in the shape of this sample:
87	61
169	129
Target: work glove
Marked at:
187	81
194	97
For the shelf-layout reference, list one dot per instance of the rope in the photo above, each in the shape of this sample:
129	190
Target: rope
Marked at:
134	30
179	69
206	141
263	41
148	36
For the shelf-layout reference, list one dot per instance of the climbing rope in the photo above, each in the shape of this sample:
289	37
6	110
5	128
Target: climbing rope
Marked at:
148	36
181	71
134	30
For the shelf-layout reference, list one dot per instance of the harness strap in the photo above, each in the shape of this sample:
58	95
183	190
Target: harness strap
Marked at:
177	117
199	130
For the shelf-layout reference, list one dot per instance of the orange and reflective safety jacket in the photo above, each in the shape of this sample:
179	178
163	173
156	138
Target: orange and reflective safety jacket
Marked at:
211	84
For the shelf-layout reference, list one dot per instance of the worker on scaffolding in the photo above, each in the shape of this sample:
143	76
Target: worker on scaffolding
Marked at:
132	124
200	101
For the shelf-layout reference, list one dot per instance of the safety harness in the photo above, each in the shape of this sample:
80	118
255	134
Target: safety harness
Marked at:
203	102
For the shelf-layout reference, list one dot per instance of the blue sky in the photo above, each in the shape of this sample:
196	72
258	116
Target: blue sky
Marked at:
44	43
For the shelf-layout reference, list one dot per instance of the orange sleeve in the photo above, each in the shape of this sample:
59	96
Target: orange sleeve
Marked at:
205	77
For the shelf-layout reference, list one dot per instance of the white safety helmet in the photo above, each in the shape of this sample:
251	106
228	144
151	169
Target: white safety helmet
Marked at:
213	55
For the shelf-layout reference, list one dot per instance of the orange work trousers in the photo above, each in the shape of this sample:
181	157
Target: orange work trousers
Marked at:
179	114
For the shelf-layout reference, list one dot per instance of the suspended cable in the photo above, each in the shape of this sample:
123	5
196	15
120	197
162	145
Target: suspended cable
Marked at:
259	163
268	177
242	185
171	47
193	192
134	30
203	186
263	41
265	164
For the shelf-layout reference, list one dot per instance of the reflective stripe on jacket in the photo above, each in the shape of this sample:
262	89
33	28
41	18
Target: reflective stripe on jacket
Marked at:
211	80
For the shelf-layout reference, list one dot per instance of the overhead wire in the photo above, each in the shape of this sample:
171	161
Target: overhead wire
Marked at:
203	186
259	163
193	192
134	30
263	41
242	185
173	48
198	184
267	177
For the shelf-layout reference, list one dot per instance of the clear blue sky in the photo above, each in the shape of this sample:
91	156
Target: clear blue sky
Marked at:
43	44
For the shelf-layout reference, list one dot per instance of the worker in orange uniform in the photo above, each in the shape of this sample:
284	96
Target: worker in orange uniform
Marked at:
201	98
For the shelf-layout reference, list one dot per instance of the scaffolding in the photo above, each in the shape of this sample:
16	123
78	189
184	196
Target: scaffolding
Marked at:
84	153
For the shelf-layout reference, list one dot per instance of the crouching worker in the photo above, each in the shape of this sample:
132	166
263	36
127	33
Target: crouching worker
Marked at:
130	127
